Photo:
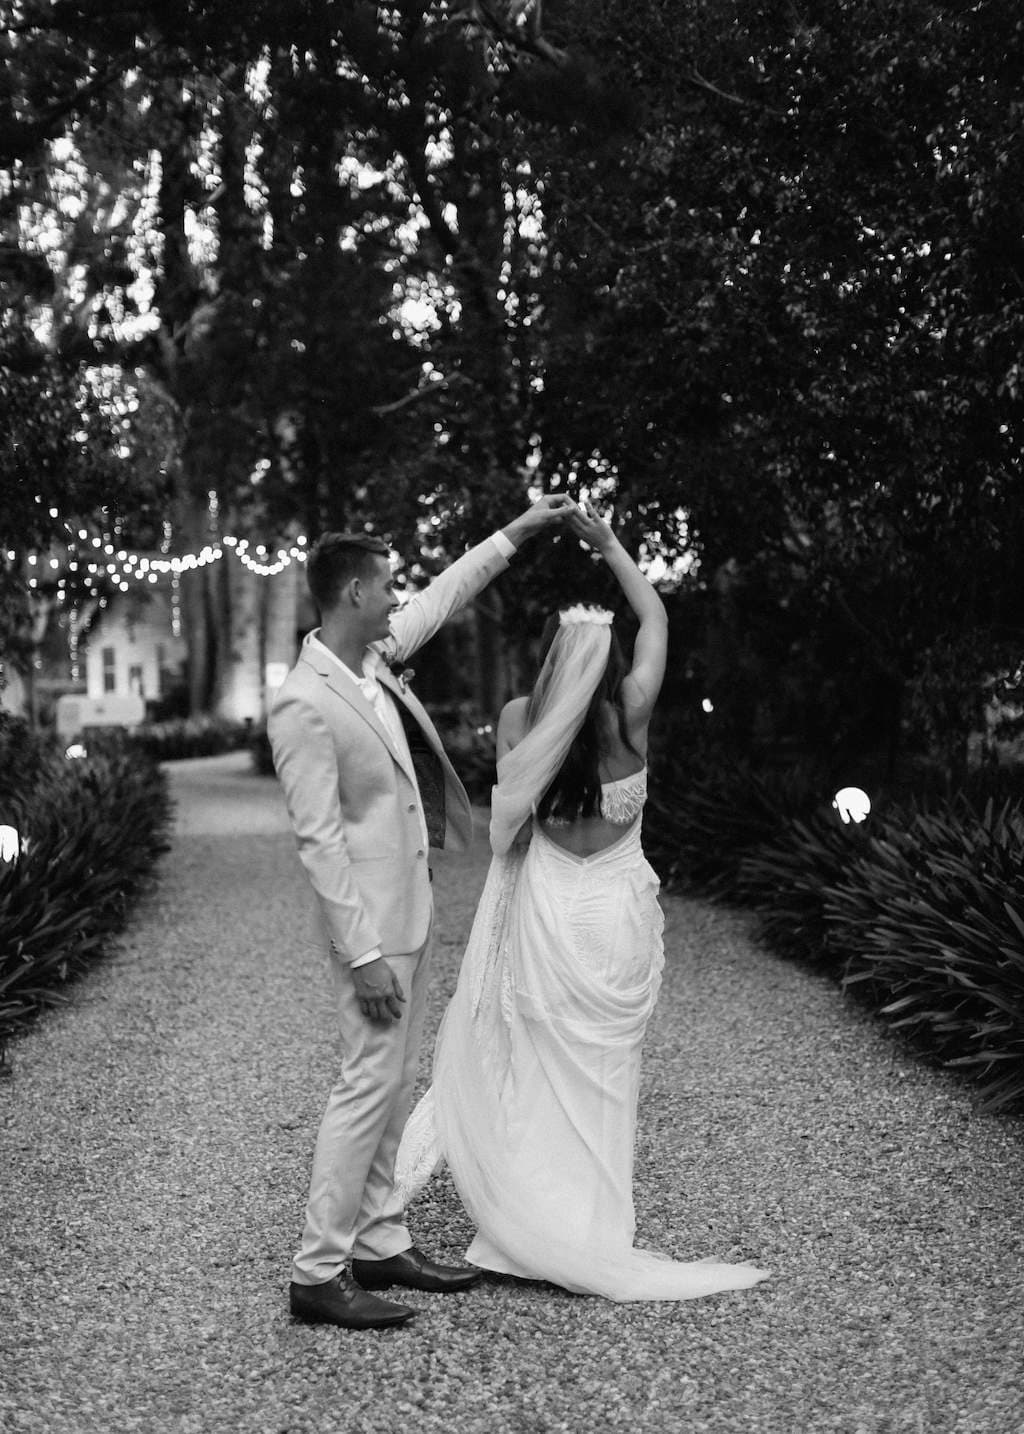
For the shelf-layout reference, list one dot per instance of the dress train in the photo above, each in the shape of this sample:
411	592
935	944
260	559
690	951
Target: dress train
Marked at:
537	1072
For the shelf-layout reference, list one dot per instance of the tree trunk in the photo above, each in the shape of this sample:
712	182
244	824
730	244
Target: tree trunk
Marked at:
280	627
196	625
491	675
238	686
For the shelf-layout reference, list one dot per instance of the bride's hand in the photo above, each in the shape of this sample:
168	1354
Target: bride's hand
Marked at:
551	511
586	524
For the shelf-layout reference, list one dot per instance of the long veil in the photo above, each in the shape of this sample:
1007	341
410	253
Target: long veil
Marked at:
568	679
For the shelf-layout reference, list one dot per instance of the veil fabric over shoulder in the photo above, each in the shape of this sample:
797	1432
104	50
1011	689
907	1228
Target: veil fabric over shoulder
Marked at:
572	670
567	681
537	1062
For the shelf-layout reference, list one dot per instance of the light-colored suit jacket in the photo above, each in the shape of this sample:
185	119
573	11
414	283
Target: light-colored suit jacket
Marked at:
351	799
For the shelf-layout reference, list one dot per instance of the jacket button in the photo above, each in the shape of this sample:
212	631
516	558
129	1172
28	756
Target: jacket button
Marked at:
421	852
412	806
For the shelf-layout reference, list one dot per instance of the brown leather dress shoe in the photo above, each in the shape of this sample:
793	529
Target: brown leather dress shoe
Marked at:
340	1301
413	1270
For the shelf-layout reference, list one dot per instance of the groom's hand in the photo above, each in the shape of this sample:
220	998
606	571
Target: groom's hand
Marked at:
378	991
550	511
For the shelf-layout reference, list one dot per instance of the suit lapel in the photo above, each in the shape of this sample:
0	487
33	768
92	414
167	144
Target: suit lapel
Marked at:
415	708
345	688
386	679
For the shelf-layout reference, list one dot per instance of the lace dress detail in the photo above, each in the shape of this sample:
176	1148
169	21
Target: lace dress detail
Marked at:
622	801
420	1155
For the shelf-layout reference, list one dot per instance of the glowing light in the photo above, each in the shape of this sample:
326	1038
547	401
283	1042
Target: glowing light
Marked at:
128	564
852	804
76	752
707	705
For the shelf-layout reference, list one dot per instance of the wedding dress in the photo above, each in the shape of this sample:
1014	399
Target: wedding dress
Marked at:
537	1063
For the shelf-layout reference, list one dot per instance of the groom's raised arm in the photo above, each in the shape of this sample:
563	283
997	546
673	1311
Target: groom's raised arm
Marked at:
418	619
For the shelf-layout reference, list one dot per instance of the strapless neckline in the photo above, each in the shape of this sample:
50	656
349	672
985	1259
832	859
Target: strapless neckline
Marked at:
625	781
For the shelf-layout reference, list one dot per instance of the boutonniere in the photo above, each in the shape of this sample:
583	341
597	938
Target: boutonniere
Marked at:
404	675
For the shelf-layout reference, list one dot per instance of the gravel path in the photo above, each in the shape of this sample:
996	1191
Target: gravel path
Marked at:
154	1150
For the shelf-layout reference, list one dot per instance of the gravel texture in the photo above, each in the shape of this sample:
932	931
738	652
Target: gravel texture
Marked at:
154	1151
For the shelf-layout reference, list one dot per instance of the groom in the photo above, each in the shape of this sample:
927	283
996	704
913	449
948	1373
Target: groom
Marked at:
369	789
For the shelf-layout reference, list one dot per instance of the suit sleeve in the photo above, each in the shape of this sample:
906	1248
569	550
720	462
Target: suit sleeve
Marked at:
306	764
417	620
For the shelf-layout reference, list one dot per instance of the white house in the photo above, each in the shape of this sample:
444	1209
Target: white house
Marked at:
132	648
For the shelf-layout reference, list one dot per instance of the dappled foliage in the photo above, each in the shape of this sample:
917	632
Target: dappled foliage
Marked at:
748	274
791	303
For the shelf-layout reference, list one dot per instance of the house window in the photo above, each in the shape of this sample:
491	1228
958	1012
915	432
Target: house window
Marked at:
135	678
109	670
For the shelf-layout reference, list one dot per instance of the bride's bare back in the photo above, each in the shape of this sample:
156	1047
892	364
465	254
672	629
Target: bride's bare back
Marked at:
585	836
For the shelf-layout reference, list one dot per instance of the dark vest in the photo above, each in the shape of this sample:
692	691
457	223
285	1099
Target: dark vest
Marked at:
429	774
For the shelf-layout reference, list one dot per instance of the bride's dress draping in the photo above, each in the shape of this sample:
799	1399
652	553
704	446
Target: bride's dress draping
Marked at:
537	1069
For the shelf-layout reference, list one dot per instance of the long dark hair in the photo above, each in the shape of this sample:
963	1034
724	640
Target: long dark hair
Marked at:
576	789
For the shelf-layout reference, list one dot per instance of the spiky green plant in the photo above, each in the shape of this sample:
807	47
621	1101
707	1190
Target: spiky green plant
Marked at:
701	824
93	830
930	923
787	880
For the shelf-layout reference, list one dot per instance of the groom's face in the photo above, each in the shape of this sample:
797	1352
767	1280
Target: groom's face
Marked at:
379	598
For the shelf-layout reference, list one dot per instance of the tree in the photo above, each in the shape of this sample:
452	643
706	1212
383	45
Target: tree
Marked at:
265	304
798	290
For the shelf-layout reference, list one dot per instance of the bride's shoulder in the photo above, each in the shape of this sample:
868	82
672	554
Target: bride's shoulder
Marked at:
511	723
515	709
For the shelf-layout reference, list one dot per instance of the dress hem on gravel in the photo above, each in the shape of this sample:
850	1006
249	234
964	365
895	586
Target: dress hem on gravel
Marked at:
537	1072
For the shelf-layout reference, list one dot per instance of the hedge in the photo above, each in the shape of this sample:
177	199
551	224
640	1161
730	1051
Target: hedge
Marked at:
92	830
919	911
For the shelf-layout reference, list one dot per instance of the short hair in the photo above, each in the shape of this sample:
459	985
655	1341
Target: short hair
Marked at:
336	558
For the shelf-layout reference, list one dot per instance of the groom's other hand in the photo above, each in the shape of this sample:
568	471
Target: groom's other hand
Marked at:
379	991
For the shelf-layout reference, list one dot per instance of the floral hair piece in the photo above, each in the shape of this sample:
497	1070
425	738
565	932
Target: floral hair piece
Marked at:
580	612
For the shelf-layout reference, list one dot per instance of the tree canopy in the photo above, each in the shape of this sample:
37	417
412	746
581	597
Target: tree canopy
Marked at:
753	275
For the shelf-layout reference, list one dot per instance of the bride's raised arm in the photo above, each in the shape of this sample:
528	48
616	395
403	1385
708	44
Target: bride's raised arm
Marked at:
640	689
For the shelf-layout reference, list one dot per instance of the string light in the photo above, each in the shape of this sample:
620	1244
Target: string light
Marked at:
121	565
74	636
176	604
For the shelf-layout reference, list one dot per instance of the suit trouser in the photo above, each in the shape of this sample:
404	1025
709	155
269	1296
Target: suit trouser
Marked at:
352	1210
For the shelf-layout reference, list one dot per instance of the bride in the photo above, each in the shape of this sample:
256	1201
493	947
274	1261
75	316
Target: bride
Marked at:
537	1063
